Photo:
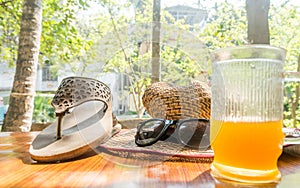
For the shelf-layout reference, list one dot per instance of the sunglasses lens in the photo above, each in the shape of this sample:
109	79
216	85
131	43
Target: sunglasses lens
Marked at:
149	131
194	133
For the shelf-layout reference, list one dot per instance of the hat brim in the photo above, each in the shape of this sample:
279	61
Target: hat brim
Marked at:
123	145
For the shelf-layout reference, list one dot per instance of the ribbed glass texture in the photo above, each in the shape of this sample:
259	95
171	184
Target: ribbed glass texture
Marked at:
249	89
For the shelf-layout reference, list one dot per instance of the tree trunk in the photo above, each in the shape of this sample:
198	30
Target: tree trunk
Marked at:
156	64
258	25
20	110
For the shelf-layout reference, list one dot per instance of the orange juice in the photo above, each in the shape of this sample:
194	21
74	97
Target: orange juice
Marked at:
247	151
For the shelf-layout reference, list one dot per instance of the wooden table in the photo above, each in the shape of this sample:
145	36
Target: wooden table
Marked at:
103	170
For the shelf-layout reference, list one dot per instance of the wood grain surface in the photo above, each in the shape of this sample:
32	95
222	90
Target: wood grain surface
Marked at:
17	169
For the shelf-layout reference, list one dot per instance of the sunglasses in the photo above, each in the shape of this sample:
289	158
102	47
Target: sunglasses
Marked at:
189	132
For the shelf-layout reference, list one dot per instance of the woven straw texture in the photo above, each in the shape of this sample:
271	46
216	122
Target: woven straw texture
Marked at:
123	145
167	101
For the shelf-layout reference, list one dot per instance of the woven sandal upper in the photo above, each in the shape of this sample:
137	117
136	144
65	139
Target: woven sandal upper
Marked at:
74	91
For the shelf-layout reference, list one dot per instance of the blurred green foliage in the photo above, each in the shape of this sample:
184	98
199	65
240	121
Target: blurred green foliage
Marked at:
43	110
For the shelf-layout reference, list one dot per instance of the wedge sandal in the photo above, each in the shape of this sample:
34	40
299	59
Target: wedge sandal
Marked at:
83	107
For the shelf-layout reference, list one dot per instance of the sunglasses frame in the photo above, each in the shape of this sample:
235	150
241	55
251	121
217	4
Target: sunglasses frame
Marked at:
167	124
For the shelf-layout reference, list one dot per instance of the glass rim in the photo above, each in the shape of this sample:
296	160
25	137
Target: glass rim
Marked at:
229	53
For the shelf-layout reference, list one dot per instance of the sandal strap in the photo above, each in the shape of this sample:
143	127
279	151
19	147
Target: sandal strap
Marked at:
74	91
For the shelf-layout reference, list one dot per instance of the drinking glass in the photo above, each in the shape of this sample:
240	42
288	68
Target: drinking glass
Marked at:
246	113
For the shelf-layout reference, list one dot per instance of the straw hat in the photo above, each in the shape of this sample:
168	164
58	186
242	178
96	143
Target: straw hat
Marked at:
123	146
168	101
